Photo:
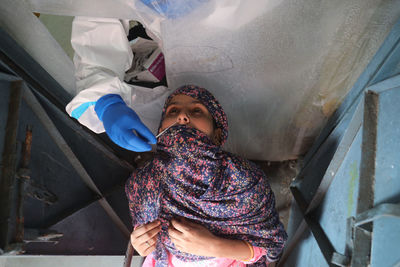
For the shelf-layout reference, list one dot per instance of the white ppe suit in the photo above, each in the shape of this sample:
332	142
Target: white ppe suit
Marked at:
102	55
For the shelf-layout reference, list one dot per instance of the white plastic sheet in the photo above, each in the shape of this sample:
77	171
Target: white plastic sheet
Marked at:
280	67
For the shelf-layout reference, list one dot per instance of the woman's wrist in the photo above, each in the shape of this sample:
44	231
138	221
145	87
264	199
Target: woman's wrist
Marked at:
233	249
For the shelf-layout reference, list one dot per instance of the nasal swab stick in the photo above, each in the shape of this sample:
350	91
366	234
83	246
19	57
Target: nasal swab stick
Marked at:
158	135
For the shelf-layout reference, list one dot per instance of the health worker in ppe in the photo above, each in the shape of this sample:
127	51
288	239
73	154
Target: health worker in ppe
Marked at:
104	102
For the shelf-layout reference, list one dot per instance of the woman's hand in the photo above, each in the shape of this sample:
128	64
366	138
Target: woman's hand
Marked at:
144	237
192	238
195	239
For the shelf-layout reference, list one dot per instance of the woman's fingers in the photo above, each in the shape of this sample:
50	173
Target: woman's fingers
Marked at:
144	247
142	229
180	226
177	238
149	243
174	233
149	250
147	247
146	237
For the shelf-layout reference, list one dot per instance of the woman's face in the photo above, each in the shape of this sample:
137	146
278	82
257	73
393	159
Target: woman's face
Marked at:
186	110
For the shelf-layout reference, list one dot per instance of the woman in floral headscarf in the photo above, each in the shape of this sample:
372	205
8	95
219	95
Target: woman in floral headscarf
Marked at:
194	204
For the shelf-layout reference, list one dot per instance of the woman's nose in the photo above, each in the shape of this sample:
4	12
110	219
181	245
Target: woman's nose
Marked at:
183	118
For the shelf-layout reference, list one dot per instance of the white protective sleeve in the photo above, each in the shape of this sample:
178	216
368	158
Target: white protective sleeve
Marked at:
102	55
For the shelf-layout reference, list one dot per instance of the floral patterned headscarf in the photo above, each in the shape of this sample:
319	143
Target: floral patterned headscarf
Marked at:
192	177
208	100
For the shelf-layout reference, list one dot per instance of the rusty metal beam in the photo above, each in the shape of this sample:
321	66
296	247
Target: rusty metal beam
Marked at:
9	161
24	176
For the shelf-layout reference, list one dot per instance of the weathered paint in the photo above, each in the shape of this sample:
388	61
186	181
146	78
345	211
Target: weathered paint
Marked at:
354	175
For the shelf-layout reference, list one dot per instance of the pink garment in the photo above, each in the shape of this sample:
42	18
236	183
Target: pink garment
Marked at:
217	262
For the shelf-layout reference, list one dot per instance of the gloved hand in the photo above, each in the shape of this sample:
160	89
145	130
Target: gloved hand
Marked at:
120	121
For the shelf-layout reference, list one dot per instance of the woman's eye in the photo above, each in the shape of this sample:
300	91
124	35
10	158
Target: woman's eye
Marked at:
173	111
197	110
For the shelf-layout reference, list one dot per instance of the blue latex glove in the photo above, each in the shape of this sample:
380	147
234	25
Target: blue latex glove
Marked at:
120	121
173	9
